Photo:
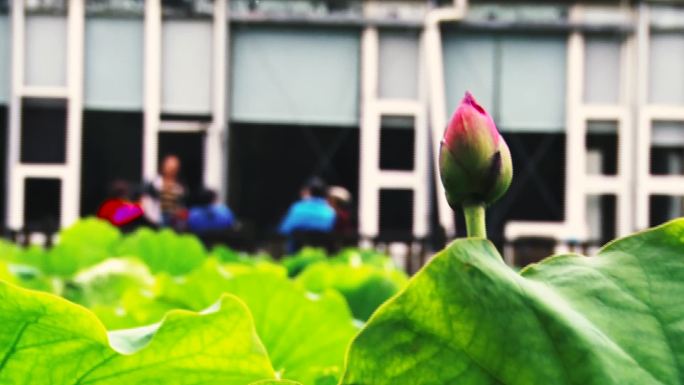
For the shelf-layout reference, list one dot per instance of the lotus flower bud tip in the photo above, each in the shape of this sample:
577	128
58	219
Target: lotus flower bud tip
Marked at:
474	160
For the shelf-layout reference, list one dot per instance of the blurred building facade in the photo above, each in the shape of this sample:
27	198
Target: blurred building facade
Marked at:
256	96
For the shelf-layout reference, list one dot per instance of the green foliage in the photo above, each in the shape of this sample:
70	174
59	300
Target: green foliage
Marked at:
85	243
365	286
356	257
320	327
165	250
467	318
295	264
237	263
9	252
17	265
95	234
143	278
5	273
108	282
226	254
48	340
133	309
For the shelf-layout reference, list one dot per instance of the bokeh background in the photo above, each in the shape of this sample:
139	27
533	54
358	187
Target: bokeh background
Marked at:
257	96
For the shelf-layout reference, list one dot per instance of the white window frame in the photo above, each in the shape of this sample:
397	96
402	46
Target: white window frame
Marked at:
69	173
579	184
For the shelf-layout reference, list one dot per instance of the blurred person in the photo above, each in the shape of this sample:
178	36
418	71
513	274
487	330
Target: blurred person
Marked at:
209	215
118	209
163	198
339	198
311	213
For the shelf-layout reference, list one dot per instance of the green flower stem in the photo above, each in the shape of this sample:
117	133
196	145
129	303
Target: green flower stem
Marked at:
475	220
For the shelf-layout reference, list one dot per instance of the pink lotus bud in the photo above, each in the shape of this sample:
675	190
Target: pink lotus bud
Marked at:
474	160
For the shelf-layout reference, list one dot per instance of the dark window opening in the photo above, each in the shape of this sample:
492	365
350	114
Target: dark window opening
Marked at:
43	130
537	192
397	143
667	160
601	218
396	211
667	148
664	208
602	148
189	148
270	163
42	199
185	118
112	150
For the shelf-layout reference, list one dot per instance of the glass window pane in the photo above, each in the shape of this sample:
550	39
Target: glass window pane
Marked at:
602	69
186	66
114	64
468	66
5	58
666	61
399	55
533	77
295	75
667	134
45	51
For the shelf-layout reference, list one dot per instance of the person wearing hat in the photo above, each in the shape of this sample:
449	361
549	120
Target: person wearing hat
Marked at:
339	198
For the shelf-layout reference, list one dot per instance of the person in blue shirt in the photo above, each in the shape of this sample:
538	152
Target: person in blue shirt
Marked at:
210	215
311	213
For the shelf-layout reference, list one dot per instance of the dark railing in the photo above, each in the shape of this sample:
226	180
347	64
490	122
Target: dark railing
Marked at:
520	252
278	245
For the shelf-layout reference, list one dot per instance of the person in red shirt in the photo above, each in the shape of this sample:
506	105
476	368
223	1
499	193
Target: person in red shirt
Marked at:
118	209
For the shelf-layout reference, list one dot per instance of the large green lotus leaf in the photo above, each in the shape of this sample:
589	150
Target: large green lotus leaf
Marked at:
235	269
93	232
107	282
20	266
139	305
36	258
275	382
83	244
296	263
33	255
9	251
226	254
30	277
354	257
133	309
47	340
305	335
237	263
164	251
466	318
5	273
365	287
